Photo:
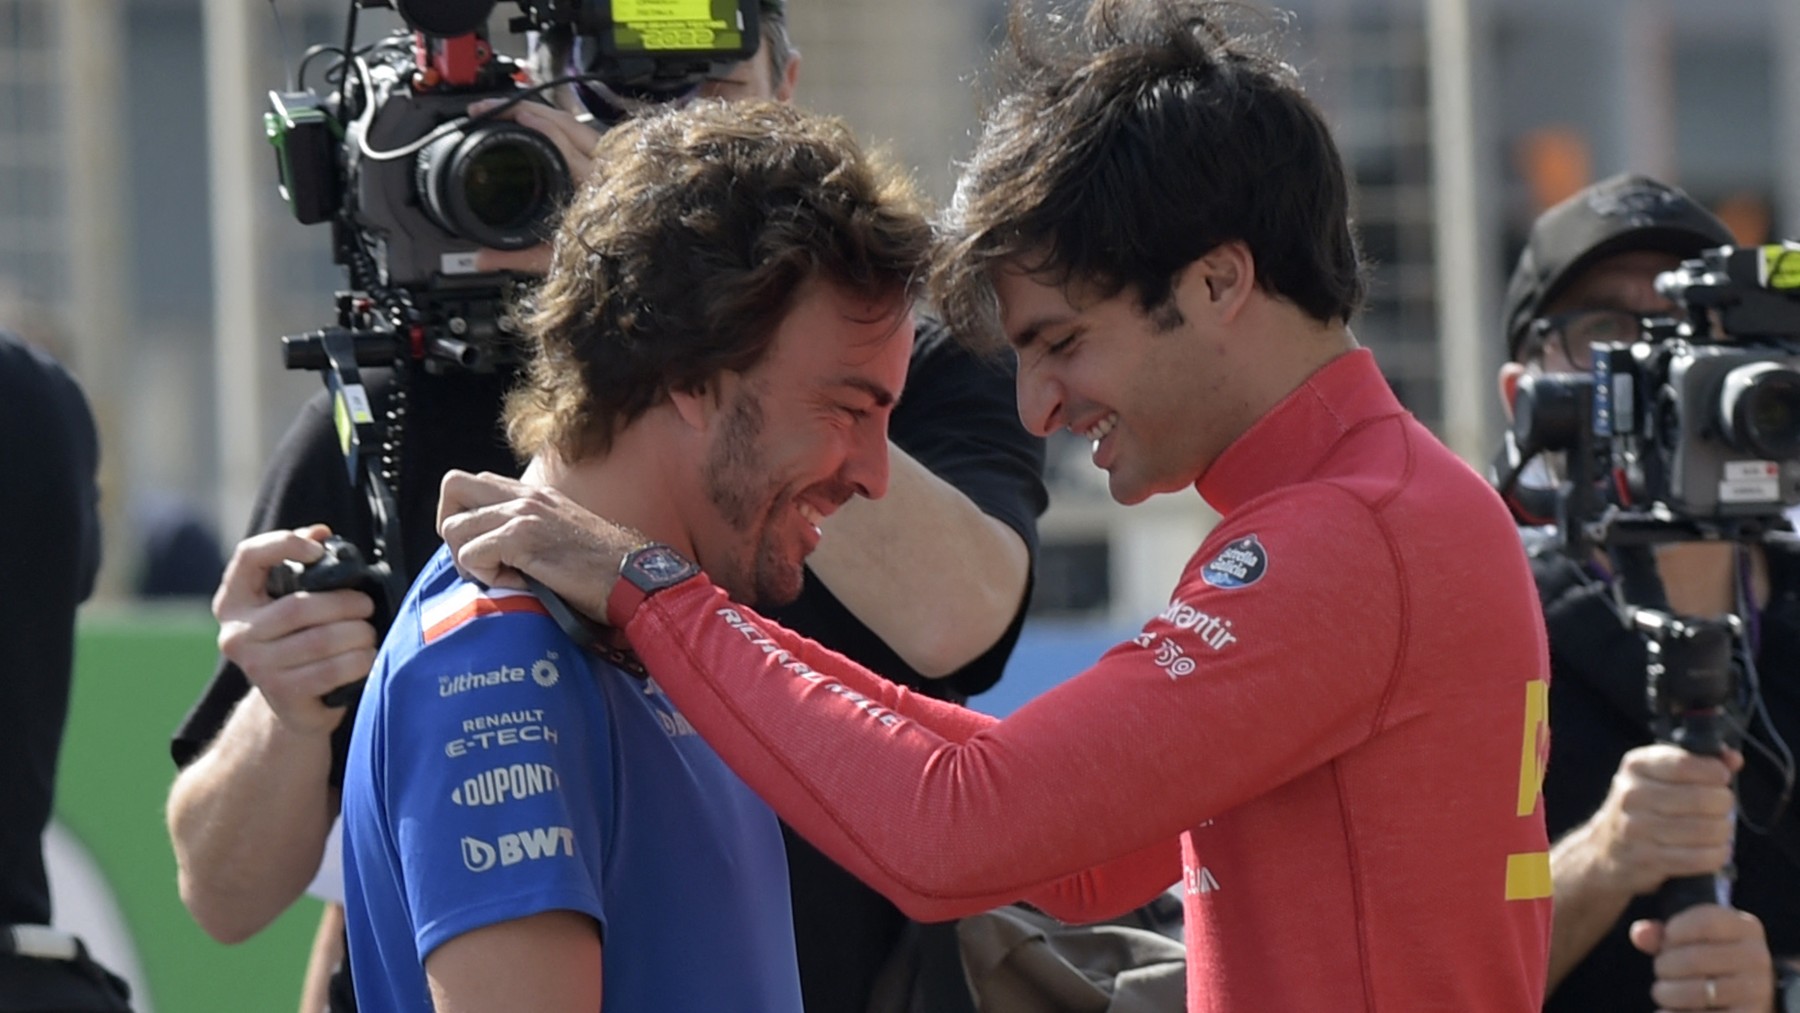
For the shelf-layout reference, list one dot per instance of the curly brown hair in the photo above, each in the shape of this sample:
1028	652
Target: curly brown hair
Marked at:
1131	143
680	256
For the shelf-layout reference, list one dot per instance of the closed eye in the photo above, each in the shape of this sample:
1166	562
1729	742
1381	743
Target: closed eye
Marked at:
1063	347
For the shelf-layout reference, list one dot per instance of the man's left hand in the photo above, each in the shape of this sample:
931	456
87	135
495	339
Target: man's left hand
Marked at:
1709	958
499	528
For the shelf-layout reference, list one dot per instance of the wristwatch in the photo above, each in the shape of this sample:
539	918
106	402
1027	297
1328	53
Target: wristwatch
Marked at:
644	571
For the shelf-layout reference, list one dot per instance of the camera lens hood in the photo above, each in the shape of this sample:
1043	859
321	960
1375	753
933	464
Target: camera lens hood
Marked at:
1759	409
496	184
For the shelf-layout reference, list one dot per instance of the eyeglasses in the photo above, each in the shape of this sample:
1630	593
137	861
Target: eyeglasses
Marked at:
1575	334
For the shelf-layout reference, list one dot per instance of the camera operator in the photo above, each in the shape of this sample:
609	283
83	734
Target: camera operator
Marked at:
261	771
1626	812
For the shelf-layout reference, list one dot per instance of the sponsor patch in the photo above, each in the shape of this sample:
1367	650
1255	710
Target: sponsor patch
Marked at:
1240	564
499	738
1214	631
511	849
450	611
504	784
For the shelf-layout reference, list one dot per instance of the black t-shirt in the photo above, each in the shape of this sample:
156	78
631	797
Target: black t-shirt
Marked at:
957	417
451	421
50	540
1598	712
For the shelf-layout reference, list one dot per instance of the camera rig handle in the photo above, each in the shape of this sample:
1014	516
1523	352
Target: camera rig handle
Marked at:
343	565
1691	682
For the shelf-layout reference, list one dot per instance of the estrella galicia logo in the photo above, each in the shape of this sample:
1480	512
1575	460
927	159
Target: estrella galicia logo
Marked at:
1240	564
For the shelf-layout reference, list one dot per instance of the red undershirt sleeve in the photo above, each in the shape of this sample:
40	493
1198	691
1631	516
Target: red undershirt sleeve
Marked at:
1076	801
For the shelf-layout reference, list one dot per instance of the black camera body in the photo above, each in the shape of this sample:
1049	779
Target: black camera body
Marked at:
492	183
1694	427
413	187
1716	427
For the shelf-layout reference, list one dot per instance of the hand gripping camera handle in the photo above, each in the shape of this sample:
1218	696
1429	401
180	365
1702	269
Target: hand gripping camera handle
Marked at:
341	567
1697	732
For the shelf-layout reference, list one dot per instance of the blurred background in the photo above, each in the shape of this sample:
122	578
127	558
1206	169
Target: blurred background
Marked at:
141	238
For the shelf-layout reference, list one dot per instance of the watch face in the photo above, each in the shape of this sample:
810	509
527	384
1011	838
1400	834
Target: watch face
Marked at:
659	566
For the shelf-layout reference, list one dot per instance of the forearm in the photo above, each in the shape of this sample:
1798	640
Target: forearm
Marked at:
1587	902
1066	786
327	953
249	820
924	568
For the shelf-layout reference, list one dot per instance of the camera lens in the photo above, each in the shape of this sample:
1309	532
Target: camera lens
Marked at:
497	184
1759	405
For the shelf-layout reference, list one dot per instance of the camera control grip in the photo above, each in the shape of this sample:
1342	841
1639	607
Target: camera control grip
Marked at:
342	566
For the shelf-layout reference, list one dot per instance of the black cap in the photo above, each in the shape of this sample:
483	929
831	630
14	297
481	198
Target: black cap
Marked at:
1616	215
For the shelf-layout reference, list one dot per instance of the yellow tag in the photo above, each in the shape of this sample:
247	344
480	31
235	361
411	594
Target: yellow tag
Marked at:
1528	875
349	409
340	418
1778	265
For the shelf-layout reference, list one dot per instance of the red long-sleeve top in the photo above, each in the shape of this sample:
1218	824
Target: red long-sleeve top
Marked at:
1334	736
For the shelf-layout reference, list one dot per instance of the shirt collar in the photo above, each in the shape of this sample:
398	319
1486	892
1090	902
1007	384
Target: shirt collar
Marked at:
1289	443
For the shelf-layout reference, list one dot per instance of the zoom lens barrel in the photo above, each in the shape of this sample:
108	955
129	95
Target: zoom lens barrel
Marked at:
1759	409
497	184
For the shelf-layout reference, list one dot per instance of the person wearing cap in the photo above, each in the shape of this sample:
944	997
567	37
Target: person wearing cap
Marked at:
252	810
1627	813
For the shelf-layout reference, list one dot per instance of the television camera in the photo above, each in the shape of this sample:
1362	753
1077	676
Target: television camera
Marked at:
414	187
1689	432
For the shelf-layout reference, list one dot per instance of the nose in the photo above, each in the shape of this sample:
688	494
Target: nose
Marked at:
1040	400
866	468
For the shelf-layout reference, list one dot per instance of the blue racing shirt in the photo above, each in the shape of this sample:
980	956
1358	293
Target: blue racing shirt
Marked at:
497	771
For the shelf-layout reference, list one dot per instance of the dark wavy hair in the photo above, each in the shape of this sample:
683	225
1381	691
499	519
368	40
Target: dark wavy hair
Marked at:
1131	143
680	256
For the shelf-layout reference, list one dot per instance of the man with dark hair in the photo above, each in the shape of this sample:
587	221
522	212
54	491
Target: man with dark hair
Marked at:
928	586
1155	220
526	817
1628	814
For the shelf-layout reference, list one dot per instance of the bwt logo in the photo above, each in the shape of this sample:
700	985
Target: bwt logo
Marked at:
511	849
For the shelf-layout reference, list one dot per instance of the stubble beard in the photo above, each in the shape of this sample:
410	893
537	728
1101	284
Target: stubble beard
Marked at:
736	476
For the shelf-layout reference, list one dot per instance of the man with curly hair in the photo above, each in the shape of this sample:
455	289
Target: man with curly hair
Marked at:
723	334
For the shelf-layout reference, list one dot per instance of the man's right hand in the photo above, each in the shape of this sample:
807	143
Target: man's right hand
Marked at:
298	648
1669	813
500	528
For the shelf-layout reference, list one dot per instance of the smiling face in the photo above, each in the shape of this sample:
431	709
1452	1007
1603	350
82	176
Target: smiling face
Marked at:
795	437
1152	390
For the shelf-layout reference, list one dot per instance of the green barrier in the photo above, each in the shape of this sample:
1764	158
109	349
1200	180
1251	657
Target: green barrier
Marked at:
137	672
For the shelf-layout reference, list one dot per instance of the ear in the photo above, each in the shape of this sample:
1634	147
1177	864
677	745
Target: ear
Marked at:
1228	274
790	78
1510	375
698	406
